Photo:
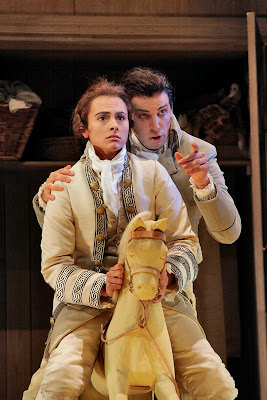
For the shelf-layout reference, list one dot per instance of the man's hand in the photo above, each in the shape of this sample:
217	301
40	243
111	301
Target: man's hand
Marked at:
63	175
114	280
196	165
164	281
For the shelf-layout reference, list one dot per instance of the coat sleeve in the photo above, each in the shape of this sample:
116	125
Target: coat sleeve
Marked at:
71	283
39	212
220	213
184	252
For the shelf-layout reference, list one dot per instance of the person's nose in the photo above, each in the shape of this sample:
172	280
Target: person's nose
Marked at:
154	124
113	126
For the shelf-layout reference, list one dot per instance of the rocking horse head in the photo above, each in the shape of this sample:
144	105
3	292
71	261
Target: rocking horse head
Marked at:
143	252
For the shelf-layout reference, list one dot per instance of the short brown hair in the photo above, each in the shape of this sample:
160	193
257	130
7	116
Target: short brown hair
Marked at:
146	82
102	87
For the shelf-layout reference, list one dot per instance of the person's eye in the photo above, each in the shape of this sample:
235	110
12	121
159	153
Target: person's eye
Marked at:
121	117
142	115
163	112
102	118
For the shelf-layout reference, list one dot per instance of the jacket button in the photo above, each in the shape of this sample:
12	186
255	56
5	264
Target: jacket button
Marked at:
100	210
127	182
94	185
100	238
96	263
130	209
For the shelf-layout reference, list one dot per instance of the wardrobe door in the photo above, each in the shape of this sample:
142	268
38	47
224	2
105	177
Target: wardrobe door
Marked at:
255	64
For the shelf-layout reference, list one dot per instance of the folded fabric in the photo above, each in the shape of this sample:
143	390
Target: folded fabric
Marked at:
18	95
15	105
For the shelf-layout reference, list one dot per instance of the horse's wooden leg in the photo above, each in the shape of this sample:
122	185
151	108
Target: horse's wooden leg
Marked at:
118	385
165	389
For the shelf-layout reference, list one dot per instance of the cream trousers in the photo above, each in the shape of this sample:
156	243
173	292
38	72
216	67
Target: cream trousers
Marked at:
66	374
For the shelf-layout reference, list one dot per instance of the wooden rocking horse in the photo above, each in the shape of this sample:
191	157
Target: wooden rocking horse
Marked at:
137	349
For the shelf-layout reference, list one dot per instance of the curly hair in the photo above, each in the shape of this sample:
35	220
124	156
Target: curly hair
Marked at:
101	87
146	82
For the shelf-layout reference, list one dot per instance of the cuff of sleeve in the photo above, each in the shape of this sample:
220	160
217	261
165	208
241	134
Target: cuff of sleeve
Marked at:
177	274
95	299
208	193
41	204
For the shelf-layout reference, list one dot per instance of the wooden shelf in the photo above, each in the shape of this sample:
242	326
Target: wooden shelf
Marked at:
104	33
142	33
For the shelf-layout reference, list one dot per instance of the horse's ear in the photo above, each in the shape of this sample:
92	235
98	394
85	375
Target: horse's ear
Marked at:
138	223
160	224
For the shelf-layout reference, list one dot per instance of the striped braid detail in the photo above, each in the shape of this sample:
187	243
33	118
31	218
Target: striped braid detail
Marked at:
62	281
94	295
192	258
184	262
176	271
183	265
79	285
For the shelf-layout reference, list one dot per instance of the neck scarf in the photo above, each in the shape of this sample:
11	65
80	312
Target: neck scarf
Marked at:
111	173
141	151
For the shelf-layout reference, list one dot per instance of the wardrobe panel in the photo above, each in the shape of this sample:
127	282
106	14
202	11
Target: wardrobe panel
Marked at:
37	6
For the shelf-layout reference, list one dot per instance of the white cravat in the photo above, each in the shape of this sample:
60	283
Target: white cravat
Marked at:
111	173
140	150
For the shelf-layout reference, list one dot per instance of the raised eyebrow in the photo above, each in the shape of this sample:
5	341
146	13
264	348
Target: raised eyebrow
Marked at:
165	105
141	109
107	112
102	112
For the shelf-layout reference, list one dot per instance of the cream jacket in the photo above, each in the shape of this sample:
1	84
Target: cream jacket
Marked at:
220	213
69	233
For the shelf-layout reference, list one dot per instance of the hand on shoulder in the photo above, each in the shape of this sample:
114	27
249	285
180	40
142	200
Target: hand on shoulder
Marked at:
62	175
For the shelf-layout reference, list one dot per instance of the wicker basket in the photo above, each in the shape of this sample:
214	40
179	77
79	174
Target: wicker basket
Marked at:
15	130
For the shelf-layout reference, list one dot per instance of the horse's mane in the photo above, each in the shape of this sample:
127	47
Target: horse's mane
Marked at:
125	237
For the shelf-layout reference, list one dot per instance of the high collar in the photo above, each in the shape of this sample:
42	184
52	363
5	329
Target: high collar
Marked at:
174	139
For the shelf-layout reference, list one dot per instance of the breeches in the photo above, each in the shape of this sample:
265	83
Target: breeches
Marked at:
199	369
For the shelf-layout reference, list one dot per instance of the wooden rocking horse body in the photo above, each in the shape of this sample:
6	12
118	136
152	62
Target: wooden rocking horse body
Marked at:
137	352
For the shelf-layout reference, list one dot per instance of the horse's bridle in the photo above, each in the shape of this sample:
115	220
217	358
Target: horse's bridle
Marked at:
141	234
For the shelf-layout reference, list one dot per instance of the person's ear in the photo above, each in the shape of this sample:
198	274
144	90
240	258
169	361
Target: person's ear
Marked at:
85	134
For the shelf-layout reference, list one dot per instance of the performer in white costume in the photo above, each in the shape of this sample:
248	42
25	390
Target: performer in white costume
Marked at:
81	230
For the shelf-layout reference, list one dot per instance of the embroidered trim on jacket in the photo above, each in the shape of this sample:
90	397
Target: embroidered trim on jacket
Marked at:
78	287
184	263
94	295
190	255
100	219
62	280
127	190
176	271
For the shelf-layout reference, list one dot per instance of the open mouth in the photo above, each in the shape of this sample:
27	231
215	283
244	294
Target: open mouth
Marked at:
156	138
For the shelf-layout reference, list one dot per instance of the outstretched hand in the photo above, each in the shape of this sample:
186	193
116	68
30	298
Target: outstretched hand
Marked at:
114	280
63	175
196	165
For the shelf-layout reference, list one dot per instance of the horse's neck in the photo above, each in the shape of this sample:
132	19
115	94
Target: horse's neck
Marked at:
129	311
